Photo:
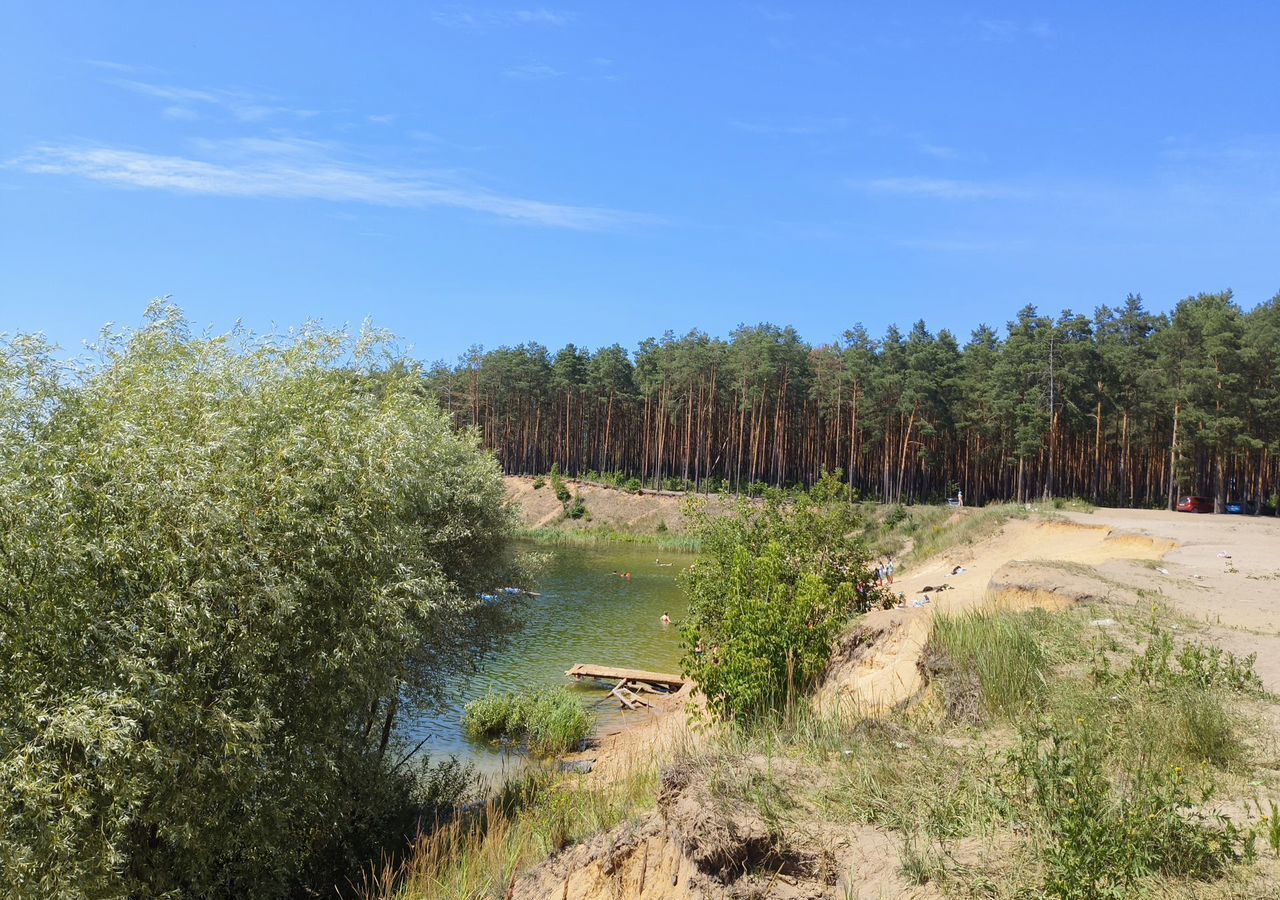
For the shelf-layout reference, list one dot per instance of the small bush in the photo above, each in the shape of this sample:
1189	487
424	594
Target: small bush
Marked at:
577	509
547	722
1103	836
776	583
1159	667
539	483
558	485
632	485
441	788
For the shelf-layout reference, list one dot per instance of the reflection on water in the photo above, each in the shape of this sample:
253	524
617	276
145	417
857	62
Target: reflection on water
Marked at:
584	614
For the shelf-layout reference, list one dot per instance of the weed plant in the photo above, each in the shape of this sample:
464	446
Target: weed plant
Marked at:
1104	833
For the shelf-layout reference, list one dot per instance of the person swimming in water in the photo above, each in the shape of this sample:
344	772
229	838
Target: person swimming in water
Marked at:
666	619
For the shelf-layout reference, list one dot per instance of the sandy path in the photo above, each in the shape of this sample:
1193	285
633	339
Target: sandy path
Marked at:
887	675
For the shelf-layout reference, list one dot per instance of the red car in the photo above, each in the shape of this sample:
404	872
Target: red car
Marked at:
1195	505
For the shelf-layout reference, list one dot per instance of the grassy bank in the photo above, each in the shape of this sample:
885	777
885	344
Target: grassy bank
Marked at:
590	537
917	533
480	855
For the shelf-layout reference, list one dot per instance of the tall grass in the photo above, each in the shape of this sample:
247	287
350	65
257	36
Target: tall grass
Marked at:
479	856
546	721
988	662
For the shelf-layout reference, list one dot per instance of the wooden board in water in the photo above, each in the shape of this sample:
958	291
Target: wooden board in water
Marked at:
613	673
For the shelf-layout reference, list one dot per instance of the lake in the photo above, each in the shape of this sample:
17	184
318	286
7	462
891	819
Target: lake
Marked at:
583	614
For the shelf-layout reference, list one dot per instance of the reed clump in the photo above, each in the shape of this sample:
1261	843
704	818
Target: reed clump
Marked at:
547	722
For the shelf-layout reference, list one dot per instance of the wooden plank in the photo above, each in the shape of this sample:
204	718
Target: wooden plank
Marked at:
617	692
614	673
628	699
642	686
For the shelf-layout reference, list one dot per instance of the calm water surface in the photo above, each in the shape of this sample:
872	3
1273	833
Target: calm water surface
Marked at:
584	614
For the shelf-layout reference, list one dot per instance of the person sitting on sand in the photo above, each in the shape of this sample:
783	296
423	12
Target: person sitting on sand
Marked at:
666	619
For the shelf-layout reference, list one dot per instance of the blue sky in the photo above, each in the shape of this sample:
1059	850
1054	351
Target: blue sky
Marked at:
597	172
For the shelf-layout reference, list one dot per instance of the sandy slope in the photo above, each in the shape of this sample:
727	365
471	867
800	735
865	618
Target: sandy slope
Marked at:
1238	598
609	507
876	665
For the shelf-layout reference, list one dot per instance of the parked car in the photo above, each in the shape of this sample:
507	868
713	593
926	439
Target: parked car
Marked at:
1195	505
1234	507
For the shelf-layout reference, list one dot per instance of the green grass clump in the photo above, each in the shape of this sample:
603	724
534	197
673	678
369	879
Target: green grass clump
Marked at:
547	721
989	662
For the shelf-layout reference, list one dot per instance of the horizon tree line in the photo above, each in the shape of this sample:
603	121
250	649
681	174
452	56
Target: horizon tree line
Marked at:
1123	407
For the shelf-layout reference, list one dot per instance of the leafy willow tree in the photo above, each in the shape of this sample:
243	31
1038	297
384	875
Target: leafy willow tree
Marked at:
227	564
1122	406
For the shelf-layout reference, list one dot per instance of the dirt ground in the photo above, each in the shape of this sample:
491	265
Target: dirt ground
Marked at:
608	507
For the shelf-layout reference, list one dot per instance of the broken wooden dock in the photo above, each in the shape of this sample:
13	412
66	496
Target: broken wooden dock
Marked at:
627	676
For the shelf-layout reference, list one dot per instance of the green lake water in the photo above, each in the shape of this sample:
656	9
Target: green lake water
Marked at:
583	614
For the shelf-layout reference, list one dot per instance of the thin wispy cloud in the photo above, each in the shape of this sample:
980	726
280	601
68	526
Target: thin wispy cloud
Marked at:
180	113
464	18
532	72
796	128
774	13
184	102
938	151
939	188
112	65
302	170
1010	30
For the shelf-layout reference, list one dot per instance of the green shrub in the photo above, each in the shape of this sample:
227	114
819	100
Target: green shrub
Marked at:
233	558
632	485
558	485
577	509
774	586
539	483
1103	835
1160	667
547	721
